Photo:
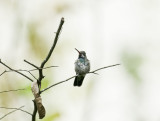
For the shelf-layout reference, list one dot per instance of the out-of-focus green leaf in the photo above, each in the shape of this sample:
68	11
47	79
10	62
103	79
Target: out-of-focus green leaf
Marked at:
52	117
45	83
36	41
59	8
132	62
26	92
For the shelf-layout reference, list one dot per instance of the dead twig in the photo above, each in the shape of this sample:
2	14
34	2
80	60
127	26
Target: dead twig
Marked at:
16	109
31	64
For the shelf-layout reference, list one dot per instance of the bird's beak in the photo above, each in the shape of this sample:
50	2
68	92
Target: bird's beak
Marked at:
77	51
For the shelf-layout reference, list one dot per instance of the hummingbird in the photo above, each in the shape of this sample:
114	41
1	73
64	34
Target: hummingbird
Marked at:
82	67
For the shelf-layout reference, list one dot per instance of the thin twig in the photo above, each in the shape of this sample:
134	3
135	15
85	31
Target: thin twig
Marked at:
16	71
11	112
76	75
3	73
43	68
103	68
17	109
31	64
12	90
19	70
26	70
32	75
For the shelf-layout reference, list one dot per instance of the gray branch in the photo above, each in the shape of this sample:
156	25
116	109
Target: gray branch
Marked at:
31	64
76	75
34	111
14	71
16	109
12	90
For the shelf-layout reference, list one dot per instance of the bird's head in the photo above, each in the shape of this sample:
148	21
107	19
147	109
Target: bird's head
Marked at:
82	54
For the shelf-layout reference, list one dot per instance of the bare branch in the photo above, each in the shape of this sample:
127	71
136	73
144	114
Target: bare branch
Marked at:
3	73
34	111
12	90
28	70
40	69
103	68
54	43
19	70
31	64
76	75
57	84
11	112
17	109
43	68
32	75
15	71
50	52
41	76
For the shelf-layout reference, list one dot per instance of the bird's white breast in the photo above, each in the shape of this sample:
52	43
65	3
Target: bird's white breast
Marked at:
82	67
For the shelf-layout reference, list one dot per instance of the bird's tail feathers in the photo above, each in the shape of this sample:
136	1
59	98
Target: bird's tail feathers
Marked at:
78	80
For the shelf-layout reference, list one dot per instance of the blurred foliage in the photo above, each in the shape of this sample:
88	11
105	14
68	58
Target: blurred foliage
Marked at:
52	117
45	83
26	92
61	7
132	62
37	43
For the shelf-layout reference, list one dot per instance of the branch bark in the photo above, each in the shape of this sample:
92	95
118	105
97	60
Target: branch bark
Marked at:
34	111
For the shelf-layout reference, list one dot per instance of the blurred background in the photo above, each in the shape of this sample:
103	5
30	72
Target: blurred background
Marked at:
110	31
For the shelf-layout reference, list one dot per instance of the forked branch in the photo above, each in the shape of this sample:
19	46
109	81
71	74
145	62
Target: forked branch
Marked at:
14	71
16	109
40	69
